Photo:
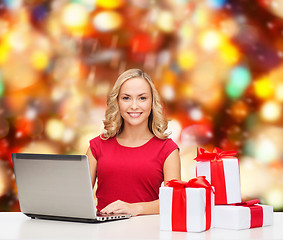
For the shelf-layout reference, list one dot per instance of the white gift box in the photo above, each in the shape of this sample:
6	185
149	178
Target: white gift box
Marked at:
195	207
231	175
239	217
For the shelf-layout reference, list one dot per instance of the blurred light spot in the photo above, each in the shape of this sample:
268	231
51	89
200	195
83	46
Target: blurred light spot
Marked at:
216	3
19	75
239	111
239	80
68	135
55	129
109	4
275	6
5	48
145	42
197	134
168	92
39	59
89	5
210	40
175	128
164	57
58	93
107	21
31	113
274	197
40	147
265	150
186	59
196	114
255	179
200	17
13	4
18	40
186	31
165	21
270	111
263	88
279	92
186	91
229	53
87	133
75	18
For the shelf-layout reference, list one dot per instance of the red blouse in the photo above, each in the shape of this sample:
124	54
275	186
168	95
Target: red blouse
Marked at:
130	174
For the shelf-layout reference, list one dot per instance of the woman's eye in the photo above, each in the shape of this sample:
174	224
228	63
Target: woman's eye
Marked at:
143	98
125	98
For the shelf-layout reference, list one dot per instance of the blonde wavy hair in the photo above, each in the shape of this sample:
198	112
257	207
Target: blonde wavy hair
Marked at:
114	123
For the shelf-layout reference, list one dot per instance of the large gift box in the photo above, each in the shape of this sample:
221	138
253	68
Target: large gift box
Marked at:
221	169
186	206
242	216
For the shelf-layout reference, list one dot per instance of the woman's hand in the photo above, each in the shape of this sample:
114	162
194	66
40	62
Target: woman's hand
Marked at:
119	206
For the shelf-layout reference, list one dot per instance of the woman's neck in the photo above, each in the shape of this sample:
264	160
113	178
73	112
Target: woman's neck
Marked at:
135	134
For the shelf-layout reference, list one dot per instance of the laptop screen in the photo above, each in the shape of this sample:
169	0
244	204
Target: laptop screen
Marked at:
54	185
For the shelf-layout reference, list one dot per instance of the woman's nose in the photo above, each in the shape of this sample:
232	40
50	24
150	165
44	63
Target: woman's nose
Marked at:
134	104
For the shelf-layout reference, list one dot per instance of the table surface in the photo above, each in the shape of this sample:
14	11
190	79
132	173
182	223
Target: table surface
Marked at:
15	225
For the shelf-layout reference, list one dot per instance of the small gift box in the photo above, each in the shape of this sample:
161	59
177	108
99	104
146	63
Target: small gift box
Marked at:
222	171
243	215
186	206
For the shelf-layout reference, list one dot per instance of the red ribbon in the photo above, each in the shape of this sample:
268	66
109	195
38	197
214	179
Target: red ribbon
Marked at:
217	170
217	154
179	202
256	212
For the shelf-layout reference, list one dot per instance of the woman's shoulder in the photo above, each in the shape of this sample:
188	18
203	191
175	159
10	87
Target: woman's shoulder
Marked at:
166	141
100	139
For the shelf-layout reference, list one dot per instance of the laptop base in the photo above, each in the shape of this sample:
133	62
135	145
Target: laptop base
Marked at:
81	220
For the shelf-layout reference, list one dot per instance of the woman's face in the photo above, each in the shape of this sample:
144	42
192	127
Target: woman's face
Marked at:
135	101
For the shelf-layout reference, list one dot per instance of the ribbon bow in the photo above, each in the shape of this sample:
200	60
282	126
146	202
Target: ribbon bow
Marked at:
177	184
247	203
198	182
217	154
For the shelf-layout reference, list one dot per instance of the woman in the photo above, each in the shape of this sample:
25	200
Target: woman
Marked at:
134	156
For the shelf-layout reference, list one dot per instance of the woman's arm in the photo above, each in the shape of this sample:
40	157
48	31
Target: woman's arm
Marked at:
171	169
92	166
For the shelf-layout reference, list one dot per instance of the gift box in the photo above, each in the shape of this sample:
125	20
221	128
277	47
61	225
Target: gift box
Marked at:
186	206
221	169
243	216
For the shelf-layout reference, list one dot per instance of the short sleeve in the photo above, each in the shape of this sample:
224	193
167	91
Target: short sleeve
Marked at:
94	145
169	147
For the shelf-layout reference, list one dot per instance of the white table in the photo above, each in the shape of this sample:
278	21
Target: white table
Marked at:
15	225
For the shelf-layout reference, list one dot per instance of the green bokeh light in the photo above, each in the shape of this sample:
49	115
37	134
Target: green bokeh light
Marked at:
240	79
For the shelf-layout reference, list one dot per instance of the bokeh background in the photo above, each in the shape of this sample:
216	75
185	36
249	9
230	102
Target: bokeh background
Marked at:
216	63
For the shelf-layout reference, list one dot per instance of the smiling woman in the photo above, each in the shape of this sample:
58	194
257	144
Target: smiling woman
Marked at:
134	155
114	123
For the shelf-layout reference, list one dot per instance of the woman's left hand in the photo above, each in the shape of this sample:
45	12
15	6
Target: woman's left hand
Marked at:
122	207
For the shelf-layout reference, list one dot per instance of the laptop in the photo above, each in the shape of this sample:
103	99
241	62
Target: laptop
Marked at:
57	187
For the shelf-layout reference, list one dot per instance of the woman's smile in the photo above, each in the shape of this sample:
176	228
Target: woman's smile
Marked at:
135	114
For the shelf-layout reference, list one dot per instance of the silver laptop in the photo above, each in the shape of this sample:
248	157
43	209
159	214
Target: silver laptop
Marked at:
56	187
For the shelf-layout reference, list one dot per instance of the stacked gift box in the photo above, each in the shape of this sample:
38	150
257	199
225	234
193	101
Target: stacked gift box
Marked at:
212	199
